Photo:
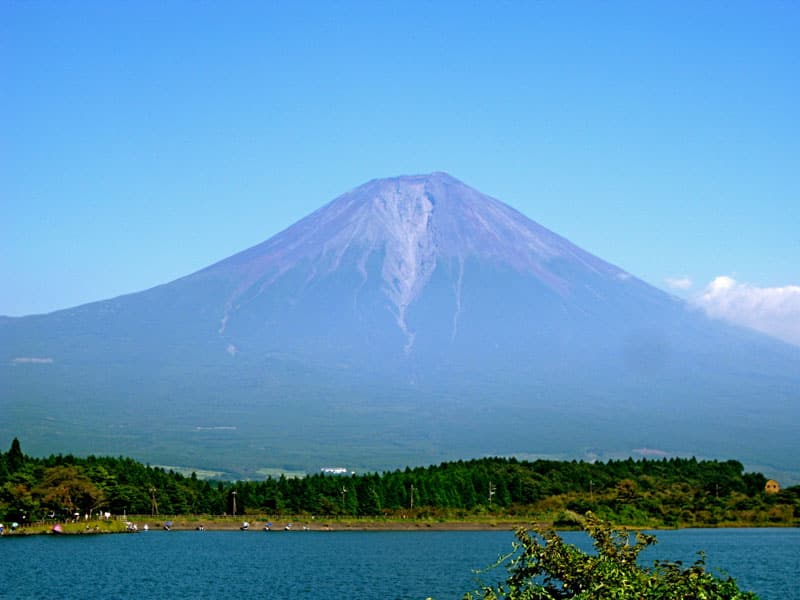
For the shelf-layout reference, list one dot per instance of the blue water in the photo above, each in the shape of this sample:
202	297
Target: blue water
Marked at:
379	565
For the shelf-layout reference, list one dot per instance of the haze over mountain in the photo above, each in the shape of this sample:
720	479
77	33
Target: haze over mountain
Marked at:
408	321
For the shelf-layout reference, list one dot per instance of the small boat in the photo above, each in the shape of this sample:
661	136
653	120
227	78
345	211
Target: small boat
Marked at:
245	526
268	526
57	529
168	525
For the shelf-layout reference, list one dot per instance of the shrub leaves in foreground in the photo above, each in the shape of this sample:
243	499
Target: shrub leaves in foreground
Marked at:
544	567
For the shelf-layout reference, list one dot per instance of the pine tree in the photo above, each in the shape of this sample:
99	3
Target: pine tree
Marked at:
15	459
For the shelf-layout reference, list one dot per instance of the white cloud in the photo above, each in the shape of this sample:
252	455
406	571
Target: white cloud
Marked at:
774	311
678	283
32	360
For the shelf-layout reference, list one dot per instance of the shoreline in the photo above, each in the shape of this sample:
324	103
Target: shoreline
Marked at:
143	524
138	525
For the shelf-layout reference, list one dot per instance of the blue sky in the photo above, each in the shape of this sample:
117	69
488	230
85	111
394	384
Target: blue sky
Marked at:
142	141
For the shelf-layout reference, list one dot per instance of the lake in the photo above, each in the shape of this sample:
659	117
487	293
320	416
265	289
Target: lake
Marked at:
364	565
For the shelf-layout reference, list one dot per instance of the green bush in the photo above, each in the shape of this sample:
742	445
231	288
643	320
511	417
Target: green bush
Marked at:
544	567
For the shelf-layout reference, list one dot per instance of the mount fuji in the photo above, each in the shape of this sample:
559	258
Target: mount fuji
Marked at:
410	320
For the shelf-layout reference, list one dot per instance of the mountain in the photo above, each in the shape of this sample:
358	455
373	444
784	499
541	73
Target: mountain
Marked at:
410	320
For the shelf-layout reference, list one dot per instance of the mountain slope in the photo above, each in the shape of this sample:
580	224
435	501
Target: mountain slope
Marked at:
408	320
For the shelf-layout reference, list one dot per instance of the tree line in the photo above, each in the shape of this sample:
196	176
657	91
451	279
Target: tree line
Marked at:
663	492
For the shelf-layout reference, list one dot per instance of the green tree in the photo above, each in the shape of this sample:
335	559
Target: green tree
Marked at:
15	459
16	502
555	570
68	487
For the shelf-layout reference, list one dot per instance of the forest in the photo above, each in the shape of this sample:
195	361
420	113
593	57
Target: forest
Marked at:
669	492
